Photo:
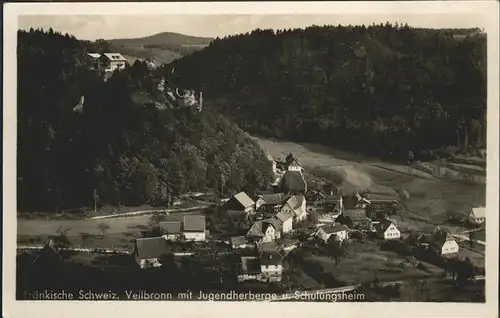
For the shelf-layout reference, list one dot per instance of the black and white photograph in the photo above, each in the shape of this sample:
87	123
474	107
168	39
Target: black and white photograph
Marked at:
274	157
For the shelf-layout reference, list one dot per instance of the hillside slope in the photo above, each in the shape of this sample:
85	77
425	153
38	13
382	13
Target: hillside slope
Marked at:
384	90
116	148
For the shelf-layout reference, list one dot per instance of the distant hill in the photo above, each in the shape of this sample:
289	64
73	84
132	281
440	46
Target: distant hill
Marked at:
163	47
164	38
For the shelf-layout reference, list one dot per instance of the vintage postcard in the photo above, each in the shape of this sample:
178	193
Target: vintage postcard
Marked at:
219	159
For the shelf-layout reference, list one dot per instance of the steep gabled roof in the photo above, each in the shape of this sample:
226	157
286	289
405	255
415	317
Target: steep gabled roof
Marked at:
151	247
256	229
293	181
94	55
244	199
114	57
284	215
171	227
274	223
328	229
290	159
274	198
479	212
383	225
270	258
194	223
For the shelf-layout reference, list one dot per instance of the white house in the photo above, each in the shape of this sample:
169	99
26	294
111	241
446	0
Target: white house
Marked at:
147	251
292	163
443	242
296	205
477	215
172	230
194	227
271	266
266	230
240	202
113	61
286	219
387	230
337	230
267	267
450	246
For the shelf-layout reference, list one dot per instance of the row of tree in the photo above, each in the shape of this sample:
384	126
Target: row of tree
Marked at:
382	89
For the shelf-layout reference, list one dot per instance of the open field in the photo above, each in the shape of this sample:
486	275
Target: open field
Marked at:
361	265
431	199
84	232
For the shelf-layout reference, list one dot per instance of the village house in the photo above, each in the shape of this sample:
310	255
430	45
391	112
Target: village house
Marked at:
149	250
387	230
286	216
293	182
271	266
328	203
357	217
380	199
338	231
191	227
112	61
172	230
93	60
265	230
266	267
477	215
271	203
292	163
444	243
296	205
240	203
194	227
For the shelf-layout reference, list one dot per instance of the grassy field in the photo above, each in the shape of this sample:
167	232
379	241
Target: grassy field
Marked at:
431	199
84	232
364	263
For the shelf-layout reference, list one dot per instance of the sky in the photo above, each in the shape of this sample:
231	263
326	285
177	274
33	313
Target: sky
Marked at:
91	27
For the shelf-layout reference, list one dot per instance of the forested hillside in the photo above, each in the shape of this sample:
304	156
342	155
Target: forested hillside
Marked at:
383	90
124	151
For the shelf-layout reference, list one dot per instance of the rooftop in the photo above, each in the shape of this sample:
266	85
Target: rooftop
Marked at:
244	199
171	227
274	198
334	228
293	181
115	56
270	258
194	223
151	247
479	212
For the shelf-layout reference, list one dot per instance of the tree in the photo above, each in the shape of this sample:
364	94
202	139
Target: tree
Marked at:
61	238
103	228
335	249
